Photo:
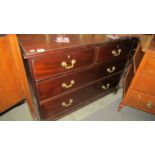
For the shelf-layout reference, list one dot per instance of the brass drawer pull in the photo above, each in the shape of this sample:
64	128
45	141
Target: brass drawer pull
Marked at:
64	104
116	53
105	87
110	70
149	105
66	66
64	85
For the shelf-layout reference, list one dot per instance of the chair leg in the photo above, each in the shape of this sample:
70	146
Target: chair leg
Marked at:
121	105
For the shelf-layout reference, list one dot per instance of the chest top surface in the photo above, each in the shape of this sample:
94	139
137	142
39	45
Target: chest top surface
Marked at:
38	44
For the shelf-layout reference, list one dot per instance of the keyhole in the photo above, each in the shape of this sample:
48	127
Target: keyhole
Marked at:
68	56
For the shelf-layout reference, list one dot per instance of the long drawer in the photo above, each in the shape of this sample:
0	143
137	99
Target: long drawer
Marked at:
58	63
52	87
141	101
115	50
145	84
65	103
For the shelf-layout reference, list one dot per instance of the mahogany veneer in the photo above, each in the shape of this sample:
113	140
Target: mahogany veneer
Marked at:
67	76
50	65
114	50
52	87
75	98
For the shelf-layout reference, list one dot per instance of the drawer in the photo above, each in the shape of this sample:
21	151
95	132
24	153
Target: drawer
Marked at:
141	101
145	84
73	99
57	63
148	67
115	50
51	87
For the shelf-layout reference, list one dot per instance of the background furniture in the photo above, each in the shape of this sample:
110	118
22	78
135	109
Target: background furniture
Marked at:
139	83
67	76
14	86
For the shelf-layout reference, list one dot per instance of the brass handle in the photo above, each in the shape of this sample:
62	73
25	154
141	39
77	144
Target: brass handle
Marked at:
110	70
149	105
116	53
105	87
66	66
64	104
64	85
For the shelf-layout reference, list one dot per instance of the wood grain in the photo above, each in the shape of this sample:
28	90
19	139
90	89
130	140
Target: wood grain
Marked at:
47	74
20	69
54	107
105	52
11	91
50	65
47	42
52	87
141	91
139	100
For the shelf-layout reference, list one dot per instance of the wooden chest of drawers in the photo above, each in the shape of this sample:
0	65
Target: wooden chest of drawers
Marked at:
67	76
140	93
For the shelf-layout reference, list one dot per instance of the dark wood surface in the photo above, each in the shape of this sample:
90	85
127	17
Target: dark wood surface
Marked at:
54	107
112	51
50	65
52	87
98	60
49	44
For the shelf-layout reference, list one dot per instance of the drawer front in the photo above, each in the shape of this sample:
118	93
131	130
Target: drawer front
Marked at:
141	101
52	87
53	64
115	50
148	67
75	98
145	84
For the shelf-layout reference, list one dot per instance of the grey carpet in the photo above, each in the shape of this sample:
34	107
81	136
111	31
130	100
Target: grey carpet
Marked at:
110	113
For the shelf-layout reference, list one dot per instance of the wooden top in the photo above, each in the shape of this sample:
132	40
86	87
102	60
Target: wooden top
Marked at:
30	42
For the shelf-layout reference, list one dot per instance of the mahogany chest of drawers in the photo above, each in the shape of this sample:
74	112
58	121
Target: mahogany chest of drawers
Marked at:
67	76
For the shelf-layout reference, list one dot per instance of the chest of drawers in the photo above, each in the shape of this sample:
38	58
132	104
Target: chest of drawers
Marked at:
67	76
140	92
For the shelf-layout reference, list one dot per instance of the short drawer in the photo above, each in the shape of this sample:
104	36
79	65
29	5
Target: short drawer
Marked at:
145	84
58	63
52	87
73	99
115	50
141	101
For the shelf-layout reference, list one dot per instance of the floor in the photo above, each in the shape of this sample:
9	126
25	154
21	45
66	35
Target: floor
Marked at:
100	110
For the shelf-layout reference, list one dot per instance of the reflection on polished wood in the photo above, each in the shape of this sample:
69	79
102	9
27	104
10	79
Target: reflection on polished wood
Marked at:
54	66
